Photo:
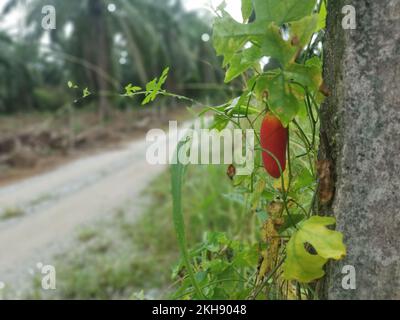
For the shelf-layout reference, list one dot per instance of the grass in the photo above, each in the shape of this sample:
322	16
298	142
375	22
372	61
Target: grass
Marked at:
127	257
42	198
11	213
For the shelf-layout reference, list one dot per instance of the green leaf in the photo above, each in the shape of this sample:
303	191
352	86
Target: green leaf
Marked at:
130	89
283	11
303	266
322	16
307	75
291	221
315	61
247	8
216	265
153	87
281	99
303	180
220	122
86	93
246	257
303	29
273	45
285	106
242	61
238	106
71	85
229	36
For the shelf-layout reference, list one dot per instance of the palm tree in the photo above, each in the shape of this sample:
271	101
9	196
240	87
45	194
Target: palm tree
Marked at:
154	33
16	82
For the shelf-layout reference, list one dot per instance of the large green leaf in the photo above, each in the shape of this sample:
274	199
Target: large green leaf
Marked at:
230	36
273	45
307	75
303	29
303	266
283	11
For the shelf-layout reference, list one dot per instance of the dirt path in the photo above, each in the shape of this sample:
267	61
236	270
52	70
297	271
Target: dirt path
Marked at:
54	204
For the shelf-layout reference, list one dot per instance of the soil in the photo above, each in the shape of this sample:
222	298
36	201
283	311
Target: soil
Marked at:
33	144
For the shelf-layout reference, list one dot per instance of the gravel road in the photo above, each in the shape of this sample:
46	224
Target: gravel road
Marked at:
56	203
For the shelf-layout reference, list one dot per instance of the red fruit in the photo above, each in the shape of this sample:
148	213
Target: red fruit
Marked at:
274	138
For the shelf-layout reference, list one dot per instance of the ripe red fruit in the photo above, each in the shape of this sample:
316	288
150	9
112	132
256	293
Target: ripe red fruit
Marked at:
274	138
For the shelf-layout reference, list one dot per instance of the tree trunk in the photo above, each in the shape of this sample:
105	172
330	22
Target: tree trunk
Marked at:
101	44
360	136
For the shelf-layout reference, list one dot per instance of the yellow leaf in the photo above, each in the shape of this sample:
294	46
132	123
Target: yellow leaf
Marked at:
303	266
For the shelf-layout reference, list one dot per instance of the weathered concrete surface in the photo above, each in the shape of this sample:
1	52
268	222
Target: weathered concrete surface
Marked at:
361	136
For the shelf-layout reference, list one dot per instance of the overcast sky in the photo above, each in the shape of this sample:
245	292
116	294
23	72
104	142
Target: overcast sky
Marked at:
233	6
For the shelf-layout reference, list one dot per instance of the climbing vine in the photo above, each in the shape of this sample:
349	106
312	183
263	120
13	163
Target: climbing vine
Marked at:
277	53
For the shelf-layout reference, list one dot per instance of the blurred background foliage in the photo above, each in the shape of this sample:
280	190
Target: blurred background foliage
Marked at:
103	45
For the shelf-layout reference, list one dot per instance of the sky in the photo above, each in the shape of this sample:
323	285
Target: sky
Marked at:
11	20
233	7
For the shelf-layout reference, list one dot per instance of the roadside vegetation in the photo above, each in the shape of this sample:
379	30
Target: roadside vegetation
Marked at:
11	213
133	256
